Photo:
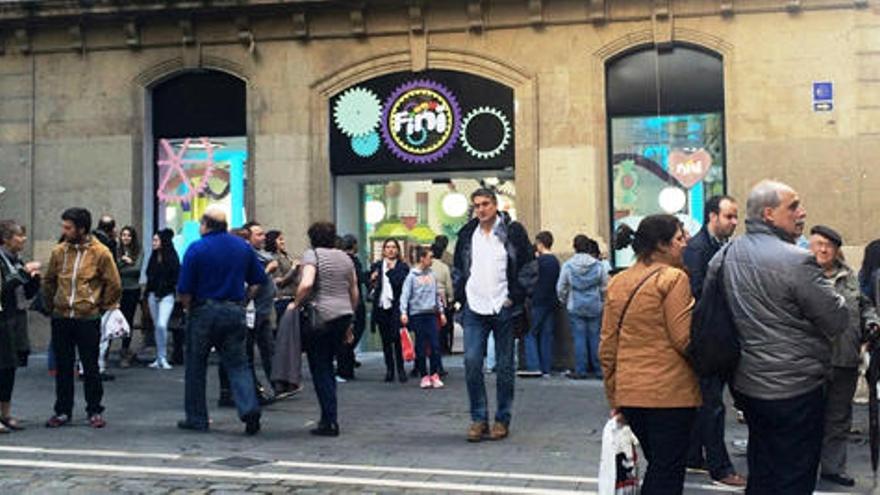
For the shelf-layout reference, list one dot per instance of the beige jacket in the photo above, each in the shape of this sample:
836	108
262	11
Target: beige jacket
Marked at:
644	364
444	281
81	280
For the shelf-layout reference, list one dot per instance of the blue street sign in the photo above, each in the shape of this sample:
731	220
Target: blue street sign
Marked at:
823	91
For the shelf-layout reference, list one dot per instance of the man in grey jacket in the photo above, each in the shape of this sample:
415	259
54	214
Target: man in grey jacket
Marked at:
786	313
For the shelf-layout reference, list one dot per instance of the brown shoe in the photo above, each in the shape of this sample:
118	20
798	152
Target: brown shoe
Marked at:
477	432
499	431
732	480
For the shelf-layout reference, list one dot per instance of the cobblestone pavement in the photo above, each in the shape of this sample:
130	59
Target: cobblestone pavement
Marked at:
395	439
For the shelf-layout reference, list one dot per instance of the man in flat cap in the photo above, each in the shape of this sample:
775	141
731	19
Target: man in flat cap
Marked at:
825	244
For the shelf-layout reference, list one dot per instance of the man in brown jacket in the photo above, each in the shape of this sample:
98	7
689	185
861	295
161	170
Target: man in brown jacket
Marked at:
80	284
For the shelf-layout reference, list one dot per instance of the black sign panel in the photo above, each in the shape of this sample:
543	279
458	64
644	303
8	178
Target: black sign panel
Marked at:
428	121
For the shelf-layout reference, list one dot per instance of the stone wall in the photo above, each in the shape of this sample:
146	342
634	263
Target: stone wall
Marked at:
73	122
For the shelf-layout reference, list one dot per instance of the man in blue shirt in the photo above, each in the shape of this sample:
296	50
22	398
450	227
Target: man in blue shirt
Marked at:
212	288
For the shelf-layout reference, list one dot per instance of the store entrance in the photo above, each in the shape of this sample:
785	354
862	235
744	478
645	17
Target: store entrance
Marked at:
412	209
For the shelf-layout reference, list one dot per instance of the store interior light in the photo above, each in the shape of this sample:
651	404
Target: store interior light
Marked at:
455	204
672	199
374	211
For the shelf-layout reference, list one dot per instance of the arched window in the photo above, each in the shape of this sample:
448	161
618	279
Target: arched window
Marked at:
665	114
200	149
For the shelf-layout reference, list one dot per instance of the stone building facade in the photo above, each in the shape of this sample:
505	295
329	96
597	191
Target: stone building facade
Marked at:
77	81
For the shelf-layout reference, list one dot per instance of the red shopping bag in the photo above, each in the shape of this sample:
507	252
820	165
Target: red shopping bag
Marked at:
406	346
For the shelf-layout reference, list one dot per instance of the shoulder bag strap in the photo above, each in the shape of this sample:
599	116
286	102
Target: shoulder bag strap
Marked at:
633	295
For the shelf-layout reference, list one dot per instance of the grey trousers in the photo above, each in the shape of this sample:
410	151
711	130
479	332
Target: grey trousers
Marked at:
838	419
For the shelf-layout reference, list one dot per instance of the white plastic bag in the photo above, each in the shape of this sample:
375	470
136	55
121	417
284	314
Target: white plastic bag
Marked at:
618	467
114	325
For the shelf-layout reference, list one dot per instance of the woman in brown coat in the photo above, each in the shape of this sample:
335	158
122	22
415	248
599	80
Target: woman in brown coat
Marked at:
645	331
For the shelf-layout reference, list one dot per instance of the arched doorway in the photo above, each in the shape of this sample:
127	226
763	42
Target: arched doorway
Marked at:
665	115
200	151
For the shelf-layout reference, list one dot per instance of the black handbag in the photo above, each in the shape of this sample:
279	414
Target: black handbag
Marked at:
714	349
310	322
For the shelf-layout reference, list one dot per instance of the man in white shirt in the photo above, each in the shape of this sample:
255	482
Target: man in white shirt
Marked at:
490	252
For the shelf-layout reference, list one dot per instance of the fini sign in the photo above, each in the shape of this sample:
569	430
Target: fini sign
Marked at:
430	121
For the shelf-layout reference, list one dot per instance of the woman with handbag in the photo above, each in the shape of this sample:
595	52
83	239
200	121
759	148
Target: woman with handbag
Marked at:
386	282
328	295
645	334
163	270
19	282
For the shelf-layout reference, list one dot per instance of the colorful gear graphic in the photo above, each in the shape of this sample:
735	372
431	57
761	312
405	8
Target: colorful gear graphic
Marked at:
173	175
357	112
421	86
367	145
505	140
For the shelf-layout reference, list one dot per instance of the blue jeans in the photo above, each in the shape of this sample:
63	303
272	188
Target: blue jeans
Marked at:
427	335
221	325
476	331
539	340
585	331
160	311
321	348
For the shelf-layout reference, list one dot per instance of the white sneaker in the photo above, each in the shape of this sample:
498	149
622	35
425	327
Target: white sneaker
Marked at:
435	381
339	379
155	364
163	364
426	382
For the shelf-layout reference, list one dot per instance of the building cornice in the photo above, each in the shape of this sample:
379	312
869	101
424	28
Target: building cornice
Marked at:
21	21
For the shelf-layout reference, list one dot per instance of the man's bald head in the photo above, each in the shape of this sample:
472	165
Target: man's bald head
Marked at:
213	219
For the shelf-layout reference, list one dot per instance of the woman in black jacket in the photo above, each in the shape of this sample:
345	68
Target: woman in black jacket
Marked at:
162	272
386	282
19	282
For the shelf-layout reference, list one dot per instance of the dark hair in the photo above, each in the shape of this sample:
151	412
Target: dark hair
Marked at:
484	193
437	250
622	238
653	230
106	223
166	238
322	235
253	223
135	247
441	242
546	238
580	243
593	248
272	241
396	243
349	242
713	205
79	217
421	251
870	264
213	225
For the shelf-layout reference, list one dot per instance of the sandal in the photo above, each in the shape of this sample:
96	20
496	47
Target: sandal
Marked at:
11	423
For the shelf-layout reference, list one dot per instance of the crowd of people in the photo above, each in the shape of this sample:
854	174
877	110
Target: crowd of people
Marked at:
803	317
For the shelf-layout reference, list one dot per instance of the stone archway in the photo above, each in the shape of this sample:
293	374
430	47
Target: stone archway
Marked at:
526	133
